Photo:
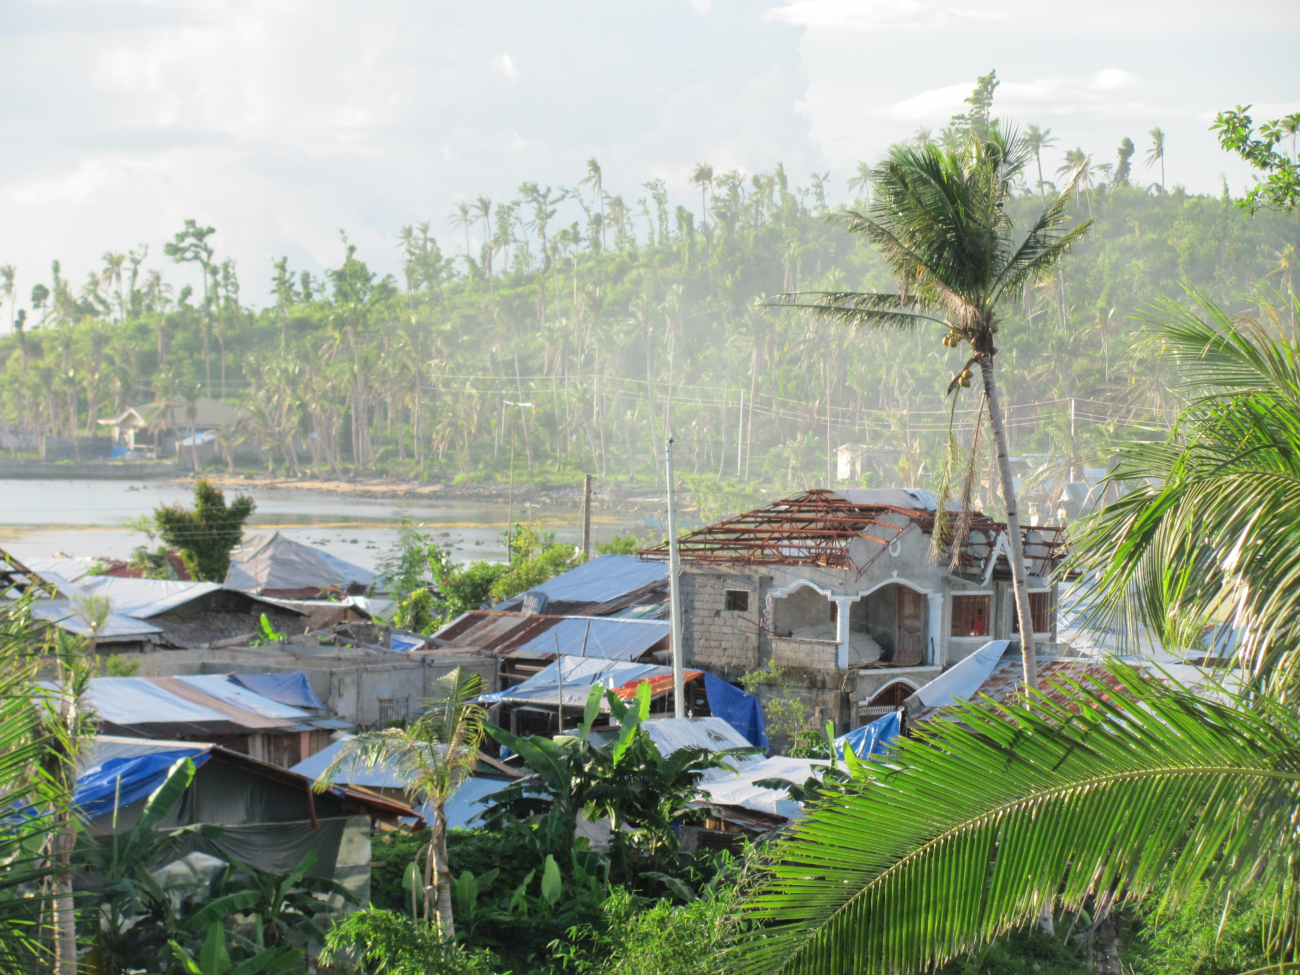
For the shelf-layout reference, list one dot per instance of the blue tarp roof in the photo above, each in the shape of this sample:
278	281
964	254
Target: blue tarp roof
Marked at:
871	739
292	689
600	580
122	781
609	638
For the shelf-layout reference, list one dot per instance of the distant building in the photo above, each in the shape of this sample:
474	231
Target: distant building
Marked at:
842	589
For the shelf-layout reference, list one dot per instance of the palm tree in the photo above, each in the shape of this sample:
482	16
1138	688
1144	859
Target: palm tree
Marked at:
1037	140
1157	153
595	179
463	217
1208	530
1078	164
703	178
861	181
1092	794
433	755
483	211
8	274
940	221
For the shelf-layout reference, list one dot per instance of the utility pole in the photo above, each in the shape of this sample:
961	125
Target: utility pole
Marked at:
830	451
510	502
1072	450
740	429
675	595
586	515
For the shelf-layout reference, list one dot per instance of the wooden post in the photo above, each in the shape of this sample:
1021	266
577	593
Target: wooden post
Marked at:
674	594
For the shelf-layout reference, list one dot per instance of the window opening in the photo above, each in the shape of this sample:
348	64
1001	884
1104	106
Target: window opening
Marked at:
738	600
970	615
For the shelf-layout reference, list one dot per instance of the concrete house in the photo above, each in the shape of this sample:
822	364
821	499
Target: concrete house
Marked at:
843	589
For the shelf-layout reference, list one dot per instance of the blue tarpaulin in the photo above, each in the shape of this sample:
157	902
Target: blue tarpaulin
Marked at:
871	739
98	788
291	689
739	709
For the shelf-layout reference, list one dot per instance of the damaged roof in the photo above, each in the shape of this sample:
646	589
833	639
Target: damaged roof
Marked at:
817	527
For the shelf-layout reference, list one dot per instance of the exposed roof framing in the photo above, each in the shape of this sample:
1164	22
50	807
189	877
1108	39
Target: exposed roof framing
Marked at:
16	579
816	528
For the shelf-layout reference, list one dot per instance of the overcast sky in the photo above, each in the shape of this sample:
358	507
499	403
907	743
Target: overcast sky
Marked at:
281	122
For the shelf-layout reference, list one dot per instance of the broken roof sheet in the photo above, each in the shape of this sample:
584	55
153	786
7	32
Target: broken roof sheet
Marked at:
144	598
225	689
739	788
273	562
817	527
601	580
65	567
351	772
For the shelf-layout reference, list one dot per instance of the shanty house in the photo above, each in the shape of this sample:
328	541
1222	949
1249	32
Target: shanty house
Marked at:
270	817
216	708
843	589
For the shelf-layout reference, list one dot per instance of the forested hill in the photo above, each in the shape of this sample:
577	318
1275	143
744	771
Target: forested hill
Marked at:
633	318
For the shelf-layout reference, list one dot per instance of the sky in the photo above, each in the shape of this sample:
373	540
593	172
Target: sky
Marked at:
283	122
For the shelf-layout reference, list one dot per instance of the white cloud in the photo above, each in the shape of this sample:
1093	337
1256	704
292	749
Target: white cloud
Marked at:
1102	94
505	66
701	7
876	15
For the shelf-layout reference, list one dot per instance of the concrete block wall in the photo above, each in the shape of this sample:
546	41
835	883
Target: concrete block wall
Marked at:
724	642
815	655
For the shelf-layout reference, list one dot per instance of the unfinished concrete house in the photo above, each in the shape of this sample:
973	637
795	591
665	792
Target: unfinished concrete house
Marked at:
846	591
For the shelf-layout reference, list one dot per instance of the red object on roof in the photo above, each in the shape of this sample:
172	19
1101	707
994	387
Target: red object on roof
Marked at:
123	570
659	684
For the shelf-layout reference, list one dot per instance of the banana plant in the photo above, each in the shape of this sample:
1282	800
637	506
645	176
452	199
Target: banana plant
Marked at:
214	958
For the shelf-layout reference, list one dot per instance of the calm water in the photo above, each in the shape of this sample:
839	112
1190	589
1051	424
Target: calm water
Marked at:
88	518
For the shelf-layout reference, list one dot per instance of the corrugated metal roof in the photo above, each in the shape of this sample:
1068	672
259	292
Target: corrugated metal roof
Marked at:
351	773
914	498
580	674
138	700
68	568
278	563
596	636
63	613
601	580
143	598
224	689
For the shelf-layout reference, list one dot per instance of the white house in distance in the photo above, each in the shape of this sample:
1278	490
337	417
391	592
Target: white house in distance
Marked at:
843	589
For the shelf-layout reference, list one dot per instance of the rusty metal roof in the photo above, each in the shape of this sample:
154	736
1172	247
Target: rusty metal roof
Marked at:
817	527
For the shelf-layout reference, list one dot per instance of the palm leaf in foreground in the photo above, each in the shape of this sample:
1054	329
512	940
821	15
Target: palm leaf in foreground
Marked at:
975	827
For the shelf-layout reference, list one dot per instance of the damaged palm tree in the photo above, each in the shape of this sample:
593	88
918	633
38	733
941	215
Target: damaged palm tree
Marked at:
939	219
433	755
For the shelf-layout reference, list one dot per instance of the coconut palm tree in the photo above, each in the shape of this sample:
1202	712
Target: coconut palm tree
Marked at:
595	179
1208	531
703	178
8	274
433	755
861	181
1037	140
1092	794
1157	153
463	217
940	220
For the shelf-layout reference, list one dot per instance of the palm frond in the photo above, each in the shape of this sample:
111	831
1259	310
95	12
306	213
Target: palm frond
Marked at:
980	823
1042	248
860	310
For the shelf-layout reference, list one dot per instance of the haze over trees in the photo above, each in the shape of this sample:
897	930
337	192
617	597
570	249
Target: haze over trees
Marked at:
618	316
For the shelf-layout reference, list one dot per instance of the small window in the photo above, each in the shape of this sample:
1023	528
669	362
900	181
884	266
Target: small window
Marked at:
970	615
738	600
1040	607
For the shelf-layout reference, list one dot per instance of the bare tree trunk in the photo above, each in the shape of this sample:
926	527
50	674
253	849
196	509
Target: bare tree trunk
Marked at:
442	873
65	921
1015	543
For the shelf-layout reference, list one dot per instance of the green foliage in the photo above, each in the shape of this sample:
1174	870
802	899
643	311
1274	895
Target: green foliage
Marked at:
785	714
385	943
418	612
1130	784
117	665
1206	936
405	569
152	564
1280	187
534	558
267	634
1210	515
628	544
462	588
477	851
206	534
214	959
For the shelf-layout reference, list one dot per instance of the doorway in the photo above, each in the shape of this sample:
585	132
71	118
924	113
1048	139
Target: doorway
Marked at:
909	645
